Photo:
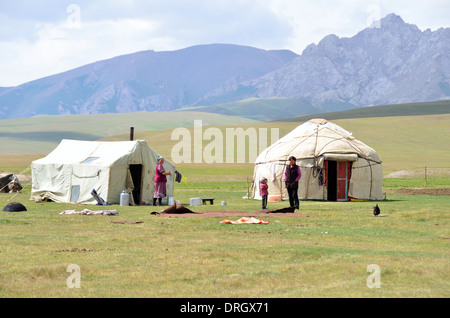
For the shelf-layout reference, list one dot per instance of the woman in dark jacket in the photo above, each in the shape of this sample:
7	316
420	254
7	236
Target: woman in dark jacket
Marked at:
292	175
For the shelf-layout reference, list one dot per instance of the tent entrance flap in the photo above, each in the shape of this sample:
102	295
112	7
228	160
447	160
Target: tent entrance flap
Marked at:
331	175
136	176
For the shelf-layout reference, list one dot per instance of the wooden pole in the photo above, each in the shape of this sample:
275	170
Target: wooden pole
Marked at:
131	133
426	181
248	191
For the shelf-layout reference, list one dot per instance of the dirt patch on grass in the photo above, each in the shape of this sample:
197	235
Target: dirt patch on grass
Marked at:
235	214
80	250
127	222
445	191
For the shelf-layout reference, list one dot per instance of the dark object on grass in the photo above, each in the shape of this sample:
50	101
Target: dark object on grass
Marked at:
283	210
14	207
10	184
376	210
175	208
127	222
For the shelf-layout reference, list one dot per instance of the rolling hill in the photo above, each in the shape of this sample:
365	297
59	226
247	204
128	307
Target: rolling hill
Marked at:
263	109
409	109
288	109
406	136
42	134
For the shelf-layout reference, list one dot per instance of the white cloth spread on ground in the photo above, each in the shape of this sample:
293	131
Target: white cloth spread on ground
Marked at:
89	212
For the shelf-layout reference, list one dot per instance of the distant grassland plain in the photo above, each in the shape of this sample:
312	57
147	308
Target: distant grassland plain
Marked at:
403	142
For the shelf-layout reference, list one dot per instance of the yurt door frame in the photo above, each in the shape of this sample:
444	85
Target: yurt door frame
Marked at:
338	179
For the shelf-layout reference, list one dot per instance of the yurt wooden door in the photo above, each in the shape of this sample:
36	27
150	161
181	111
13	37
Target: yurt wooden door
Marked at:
338	175
342	181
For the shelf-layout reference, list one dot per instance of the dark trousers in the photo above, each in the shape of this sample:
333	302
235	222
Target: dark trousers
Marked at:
264	201
293	197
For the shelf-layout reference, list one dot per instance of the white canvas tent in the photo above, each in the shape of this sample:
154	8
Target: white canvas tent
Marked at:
335	165
74	168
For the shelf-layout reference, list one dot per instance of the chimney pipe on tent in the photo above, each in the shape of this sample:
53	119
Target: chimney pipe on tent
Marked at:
131	133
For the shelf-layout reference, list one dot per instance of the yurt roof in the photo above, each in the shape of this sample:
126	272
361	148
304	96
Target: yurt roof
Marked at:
315	138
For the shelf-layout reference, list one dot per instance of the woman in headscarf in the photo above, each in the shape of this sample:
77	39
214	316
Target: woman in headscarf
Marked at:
160	181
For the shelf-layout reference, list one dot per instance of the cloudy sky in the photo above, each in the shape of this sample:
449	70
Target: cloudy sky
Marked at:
44	37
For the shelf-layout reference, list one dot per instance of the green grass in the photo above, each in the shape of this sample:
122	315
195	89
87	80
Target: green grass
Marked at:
322	256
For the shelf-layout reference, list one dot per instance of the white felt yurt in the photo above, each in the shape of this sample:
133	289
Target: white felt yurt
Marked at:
74	168
335	166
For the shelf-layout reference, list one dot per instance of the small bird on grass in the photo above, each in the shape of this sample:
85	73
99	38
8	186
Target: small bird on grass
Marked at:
376	210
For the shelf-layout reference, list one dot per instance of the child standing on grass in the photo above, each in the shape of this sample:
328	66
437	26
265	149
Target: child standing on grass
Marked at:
263	189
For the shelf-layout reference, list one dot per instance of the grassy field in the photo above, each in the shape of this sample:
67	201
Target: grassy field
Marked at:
402	142
324	255
408	143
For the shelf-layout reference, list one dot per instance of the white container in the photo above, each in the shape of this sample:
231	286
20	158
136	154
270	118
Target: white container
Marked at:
224	203
170	200
195	201
124	198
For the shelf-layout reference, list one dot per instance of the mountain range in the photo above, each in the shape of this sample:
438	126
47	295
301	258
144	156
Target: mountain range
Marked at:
390	63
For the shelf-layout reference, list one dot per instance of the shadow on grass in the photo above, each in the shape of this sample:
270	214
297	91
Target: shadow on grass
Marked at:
49	136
